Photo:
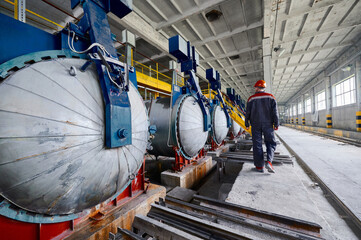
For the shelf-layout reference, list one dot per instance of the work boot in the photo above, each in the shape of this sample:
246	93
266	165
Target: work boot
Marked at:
270	167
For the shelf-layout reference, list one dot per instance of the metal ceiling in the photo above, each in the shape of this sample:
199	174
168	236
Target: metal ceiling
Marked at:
313	33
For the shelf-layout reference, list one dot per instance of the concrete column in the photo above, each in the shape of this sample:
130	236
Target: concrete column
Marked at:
358	82
328	97
297	117
266	45
303	115
267	68
313	104
358	93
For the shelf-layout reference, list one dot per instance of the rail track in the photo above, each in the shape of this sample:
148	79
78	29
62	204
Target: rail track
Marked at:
350	218
207	218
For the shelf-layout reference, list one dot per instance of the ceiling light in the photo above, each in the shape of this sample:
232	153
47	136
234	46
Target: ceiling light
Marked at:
347	68
213	15
234	57
279	51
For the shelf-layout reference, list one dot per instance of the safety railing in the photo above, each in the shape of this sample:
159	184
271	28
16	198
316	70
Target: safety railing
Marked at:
154	73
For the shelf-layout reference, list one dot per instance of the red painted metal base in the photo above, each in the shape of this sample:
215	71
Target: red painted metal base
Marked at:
215	146
181	162
12	229
231	137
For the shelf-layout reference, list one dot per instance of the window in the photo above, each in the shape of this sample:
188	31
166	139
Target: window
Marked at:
294	110
300	108
308	105
321	101
345	92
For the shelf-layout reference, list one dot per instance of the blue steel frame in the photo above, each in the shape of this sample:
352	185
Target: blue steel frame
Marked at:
214	79
231	94
189	60
118	126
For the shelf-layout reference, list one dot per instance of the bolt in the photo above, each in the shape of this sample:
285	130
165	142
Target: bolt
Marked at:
72	71
122	133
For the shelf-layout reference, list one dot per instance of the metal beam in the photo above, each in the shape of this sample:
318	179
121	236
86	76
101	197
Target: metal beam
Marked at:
308	62
228	34
311	50
159	229
243	50
20	10
193	11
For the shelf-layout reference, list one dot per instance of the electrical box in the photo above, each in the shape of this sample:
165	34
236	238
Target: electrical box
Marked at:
128	37
178	47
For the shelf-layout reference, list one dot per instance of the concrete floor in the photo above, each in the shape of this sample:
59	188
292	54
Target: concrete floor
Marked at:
291	192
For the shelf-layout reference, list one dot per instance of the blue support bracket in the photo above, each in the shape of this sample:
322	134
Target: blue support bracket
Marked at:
214	79
189	60
118	7
231	94
112	73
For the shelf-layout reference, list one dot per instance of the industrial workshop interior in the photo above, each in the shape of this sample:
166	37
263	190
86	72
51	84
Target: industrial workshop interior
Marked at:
180	119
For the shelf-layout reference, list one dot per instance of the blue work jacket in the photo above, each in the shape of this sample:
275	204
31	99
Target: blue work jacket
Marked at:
262	109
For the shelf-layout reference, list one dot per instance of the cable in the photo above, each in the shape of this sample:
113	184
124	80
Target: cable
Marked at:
111	79
72	48
102	48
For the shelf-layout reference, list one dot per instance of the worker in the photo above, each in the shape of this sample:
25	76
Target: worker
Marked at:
262	113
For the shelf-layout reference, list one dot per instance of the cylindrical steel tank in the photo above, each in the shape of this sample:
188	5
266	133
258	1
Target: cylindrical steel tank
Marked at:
180	127
52	154
235	128
219	125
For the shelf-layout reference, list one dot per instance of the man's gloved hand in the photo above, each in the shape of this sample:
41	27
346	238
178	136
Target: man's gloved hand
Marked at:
275	128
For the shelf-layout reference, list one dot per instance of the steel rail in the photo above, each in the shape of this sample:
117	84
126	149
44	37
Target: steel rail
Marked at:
195	226
280	157
291	223
272	229
125	233
245	158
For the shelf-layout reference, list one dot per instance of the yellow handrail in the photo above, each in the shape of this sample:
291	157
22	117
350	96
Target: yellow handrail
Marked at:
29	11
235	113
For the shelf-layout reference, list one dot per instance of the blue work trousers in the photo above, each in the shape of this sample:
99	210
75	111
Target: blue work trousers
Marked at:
269	140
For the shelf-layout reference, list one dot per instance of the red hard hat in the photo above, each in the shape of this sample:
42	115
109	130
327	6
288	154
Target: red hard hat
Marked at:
260	84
